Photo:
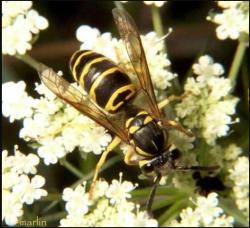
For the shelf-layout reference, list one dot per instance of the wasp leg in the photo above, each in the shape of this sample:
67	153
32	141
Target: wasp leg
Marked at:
169	99
152	194
127	158
175	125
115	142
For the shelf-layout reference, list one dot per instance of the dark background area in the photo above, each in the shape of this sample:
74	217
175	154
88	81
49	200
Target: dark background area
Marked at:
192	36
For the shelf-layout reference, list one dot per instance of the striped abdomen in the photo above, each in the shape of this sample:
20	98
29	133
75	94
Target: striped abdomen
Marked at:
146	134
102	79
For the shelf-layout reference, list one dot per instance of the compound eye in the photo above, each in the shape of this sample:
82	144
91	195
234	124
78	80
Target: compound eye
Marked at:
175	154
147	168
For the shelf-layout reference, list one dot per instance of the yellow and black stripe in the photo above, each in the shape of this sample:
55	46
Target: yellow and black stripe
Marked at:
102	79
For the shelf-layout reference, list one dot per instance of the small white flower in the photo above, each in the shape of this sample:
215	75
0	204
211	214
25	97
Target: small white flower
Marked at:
118	191
24	164
233	21
10	179
228	4
181	140
43	90
12	208
189	218
16	103
207	68
232	152
239	174
143	220
207	207
51	150
13	8
95	140
33	127
29	190
77	200
100	189
87	35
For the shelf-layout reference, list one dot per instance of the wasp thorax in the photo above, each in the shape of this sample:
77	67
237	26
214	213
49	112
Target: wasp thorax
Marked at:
147	135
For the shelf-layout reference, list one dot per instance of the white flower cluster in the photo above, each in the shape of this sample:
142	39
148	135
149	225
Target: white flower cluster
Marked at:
208	105
205	214
108	207
56	127
17	187
19	25
158	62
156	3
233	20
239	174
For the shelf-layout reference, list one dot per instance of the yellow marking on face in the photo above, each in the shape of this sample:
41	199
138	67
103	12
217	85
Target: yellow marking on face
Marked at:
76	63
132	142
141	113
110	107
129	121
99	79
159	123
87	67
142	163
141	152
147	120
133	129
172	122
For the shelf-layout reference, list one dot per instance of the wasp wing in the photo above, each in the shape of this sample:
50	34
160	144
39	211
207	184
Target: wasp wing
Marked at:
131	37
64	90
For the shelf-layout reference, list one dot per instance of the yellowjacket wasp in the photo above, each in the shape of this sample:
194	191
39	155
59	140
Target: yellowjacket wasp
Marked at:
110	91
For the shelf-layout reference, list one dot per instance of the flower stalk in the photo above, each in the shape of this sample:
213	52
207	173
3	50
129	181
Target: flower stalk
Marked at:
157	23
237	60
173	210
29	60
71	168
230	209
53	217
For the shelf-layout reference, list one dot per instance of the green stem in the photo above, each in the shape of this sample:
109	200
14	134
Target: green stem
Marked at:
237	60
158	27
90	175
118	4
29	60
54	217
231	209
160	191
167	201
156	18
50	206
245	80
173	210
71	168
51	197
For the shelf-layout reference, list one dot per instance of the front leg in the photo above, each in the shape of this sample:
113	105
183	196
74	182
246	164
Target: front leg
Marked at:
171	98
128	160
116	141
174	125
